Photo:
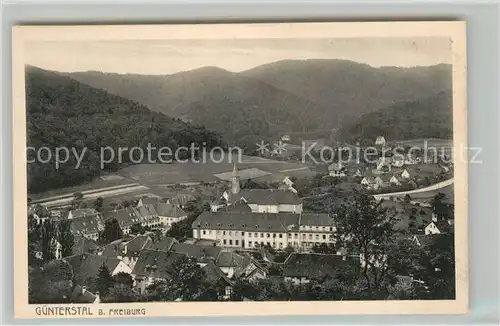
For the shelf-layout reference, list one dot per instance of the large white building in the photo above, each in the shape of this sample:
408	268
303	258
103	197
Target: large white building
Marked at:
249	230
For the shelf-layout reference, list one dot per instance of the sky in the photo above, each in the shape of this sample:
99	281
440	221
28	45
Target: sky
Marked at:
160	57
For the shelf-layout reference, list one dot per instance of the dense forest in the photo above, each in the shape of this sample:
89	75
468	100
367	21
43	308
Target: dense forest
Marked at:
427	118
64	112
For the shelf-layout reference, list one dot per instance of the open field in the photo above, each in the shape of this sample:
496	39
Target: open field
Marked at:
158	179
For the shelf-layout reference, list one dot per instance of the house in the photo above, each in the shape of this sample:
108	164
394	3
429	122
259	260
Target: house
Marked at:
165	244
384	163
202	254
380	141
86	267
383	181
300	268
218	280
148	200
81	212
428	239
286	138
83	245
398	161
439	227
337	170
145	216
250	230
80	294
369	183
181	200
89	226
170	214
154	265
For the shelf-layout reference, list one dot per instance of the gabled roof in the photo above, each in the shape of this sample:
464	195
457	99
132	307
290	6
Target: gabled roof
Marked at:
369	179
156	264
86	266
315	266
239	206
83	245
228	258
316	219
129	216
214	274
165	244
87	224
169	210
201	253
266	197
81	295
137	244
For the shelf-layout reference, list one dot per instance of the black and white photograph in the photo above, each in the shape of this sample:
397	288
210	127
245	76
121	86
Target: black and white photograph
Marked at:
255	163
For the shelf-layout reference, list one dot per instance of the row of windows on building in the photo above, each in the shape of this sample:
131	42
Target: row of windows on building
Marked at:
280	245
268	235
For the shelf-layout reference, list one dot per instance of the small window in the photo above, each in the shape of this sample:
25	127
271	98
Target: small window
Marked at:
242	233
250	243
324	236
231	242
255	235
204	232
236	242
281	235
224	241
268	235
224	232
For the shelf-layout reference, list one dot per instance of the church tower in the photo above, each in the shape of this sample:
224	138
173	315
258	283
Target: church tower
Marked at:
235	187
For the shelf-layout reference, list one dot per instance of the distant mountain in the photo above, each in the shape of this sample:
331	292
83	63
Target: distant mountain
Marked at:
426	118
282	97
244	110
64	112
346	89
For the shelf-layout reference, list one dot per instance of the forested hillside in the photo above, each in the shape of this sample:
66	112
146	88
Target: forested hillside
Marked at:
64	112
427	118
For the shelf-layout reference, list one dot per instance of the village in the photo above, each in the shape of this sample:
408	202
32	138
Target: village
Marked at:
277	233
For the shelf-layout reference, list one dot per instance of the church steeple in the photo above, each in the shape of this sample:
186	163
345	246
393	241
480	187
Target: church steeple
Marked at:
235	186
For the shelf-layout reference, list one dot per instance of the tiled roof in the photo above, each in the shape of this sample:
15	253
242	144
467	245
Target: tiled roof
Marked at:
155	263
169	210
201	253
87	224
165	244
83	245
230	259
129	216
79	295
86	266
137	244
269	222
280	222
214	274
314	266
239	206
266	197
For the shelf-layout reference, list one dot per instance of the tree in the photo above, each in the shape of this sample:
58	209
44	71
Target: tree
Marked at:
99	204
47	241
111	232
137	228
365	227
124	279
104	280
407	198
65	238
52	283
34	235
121	293
442	210
242	289
187	283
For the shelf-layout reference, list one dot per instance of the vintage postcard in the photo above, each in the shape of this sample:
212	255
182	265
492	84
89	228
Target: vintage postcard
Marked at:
240	169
